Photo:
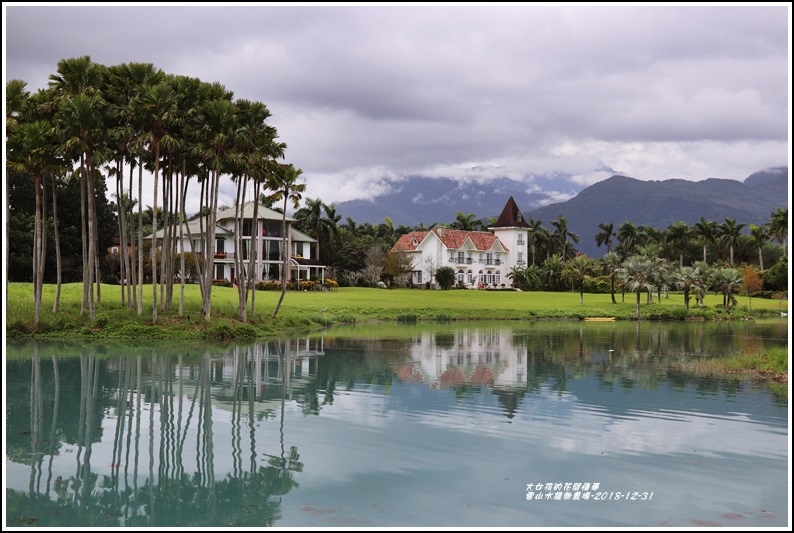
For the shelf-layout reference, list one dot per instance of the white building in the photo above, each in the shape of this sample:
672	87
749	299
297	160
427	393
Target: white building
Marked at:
480	259
268	261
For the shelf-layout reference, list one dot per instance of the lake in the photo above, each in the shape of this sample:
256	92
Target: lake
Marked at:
457	424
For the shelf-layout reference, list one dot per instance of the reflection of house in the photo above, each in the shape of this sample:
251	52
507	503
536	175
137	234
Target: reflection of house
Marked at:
268	239
478	356
479	258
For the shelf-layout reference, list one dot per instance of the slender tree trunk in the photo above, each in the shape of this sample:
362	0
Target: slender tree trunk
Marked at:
285	256
58	266
84	232
154	231
37	251
181	208
256	235
210	259
140	235
92	252
97	262
122	229
132	296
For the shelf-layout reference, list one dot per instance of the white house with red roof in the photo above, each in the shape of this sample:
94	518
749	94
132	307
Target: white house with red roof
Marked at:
481	259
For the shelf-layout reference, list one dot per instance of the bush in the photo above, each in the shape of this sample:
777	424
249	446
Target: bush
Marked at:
599	285
407	317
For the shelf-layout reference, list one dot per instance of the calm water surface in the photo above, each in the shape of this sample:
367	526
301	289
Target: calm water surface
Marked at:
486	424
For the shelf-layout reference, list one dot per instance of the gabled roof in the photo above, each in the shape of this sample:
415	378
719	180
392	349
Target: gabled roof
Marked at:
451	238
511	217
195	229
248	212
300	236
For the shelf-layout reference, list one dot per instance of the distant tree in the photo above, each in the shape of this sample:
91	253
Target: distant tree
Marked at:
730	231
636	272
752	282
398	267
776	277
287	189
606	234
628	239
611	264
778	227
678	236
727	281
466	222
759	236
687	279
705	232
576	271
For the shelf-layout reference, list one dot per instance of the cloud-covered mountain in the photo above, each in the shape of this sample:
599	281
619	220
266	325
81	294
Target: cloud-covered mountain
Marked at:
617	199
429	201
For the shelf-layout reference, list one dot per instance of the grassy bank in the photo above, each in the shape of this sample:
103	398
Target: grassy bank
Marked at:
305	311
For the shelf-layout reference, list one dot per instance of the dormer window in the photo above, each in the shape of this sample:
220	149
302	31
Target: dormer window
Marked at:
414	242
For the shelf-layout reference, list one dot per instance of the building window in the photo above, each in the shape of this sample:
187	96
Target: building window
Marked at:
489	258
461	257
520	258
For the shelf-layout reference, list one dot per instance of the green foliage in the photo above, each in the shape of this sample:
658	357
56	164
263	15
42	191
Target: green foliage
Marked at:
597	285
445	276
776	277
407	317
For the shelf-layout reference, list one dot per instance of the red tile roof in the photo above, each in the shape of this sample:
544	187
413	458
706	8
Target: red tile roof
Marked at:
451	238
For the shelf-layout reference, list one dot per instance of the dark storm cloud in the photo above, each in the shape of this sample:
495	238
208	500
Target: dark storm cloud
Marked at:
363	93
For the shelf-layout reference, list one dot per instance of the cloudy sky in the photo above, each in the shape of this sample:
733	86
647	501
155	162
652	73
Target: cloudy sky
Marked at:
364	95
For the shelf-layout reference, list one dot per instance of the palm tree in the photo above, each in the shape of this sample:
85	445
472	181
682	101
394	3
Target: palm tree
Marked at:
216	130
552	271
467	222
80	121
16	97
286	187
730	232
576	271
31	150
706	233
534	235
728	281
611	264
636	272
760	235
157	111
605	236
687	279
778	227
628	238
82	124
562	234
678	235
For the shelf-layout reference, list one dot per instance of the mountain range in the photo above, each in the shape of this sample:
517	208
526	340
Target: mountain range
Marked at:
618	199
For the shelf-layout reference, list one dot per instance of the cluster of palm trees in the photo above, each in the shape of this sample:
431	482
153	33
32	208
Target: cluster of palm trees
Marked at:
93	121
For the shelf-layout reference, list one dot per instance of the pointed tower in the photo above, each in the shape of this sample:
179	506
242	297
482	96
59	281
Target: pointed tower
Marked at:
512	230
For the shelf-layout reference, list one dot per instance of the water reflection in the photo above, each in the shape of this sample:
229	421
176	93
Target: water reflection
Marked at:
103	436
154	420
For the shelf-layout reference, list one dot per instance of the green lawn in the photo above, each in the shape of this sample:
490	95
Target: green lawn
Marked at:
307	310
